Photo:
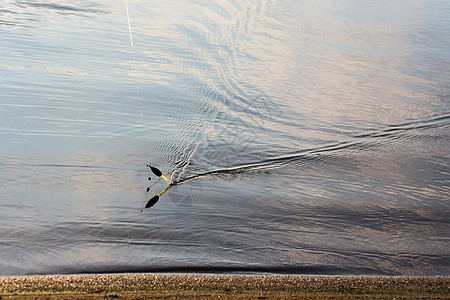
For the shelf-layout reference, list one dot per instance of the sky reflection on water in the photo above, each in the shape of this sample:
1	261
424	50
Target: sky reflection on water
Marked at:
310	137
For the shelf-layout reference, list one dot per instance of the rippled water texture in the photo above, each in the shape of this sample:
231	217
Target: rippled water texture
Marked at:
306	137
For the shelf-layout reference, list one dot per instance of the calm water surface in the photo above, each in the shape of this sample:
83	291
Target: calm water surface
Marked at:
307	137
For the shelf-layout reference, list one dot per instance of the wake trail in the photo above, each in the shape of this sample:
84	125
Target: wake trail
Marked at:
359	142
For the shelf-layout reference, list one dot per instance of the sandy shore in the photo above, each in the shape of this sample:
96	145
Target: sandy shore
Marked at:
181	286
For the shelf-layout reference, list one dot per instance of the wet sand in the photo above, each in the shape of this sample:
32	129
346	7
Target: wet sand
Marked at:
192	286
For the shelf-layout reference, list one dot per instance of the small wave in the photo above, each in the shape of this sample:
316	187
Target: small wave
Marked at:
60	7
223	268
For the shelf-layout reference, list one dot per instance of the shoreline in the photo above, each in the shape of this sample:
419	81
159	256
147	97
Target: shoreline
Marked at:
193	286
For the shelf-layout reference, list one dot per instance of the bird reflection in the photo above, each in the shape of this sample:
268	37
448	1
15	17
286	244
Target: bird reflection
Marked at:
155	198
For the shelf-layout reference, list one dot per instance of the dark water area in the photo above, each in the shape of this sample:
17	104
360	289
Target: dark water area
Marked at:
304	137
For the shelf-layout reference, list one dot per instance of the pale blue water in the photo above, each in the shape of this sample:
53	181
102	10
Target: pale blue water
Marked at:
307	137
